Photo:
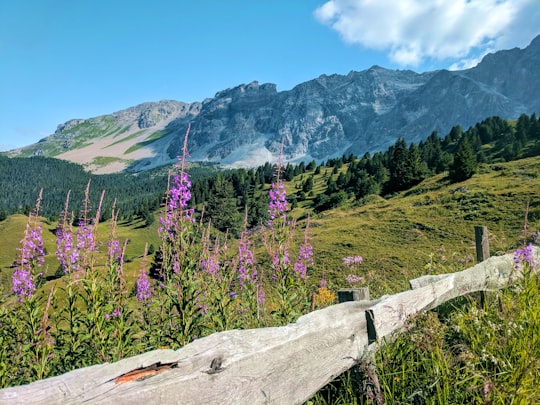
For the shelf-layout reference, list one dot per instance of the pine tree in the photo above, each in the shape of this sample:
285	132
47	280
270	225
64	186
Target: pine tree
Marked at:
399	171
308	185
465	163
406	167
221	207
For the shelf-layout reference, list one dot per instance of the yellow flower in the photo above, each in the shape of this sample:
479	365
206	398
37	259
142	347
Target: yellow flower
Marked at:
323	297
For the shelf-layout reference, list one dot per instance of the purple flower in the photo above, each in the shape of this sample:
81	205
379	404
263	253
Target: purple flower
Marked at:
210	266
353	279
352	260
280	261
246	268
31	255
34	246
173	224
323	283
23	284
179	195
261	296
175	263
144	291
64	247
305	258
85	239
114	252
115	313
278	206
180	192
524	256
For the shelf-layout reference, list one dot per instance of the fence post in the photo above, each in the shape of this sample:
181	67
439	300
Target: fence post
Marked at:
482	243
353	294
366	368
482	252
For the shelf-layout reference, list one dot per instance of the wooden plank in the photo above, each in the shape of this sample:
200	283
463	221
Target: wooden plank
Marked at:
426	280
390	314
284	365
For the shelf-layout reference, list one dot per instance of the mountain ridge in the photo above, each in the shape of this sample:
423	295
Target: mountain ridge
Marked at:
243	126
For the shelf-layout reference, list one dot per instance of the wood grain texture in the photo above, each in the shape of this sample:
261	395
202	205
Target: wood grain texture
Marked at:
428	292
257	366
280	365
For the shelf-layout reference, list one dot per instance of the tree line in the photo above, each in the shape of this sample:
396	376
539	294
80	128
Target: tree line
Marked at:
136	195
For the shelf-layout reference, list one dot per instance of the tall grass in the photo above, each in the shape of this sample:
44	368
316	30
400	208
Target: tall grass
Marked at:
473	350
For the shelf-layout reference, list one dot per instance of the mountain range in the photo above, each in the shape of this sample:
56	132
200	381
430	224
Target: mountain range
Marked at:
325	117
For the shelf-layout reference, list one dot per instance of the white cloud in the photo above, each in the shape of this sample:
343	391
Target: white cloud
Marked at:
411	31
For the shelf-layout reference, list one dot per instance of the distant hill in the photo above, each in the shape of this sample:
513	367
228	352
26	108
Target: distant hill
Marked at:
319	119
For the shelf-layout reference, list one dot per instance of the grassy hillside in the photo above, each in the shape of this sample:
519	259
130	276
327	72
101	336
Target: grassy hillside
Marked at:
12	231
429	228
431	224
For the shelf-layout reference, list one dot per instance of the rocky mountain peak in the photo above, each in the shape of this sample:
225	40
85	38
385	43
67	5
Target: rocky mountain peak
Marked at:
363	111
69	125
252	89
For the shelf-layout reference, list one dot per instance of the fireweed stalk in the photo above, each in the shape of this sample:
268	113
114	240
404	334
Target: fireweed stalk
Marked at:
87	232
102	296
31	256
118	315
176	225
34	340
249	287
93	295
71	317
43	346
115	282
288	280
215	301
144	288
64	240
144	293
305	255
209	265
178	269
87	294
526	263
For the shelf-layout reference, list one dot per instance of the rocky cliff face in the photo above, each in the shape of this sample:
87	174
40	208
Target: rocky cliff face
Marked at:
322	118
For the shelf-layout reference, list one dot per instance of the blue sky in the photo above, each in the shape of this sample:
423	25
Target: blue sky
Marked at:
64	59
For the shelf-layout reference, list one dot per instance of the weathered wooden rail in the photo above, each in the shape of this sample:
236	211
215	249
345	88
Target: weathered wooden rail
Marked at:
280	365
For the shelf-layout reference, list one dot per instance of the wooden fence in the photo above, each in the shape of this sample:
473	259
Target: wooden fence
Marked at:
280	365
